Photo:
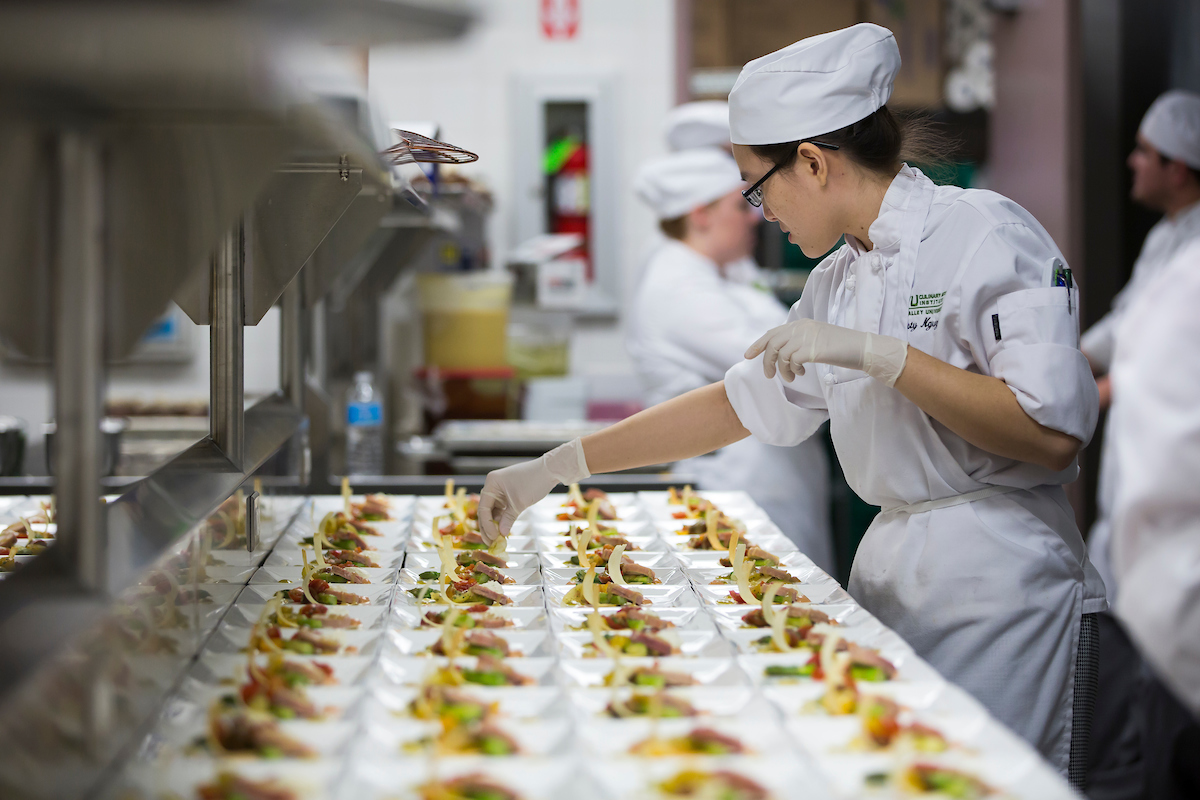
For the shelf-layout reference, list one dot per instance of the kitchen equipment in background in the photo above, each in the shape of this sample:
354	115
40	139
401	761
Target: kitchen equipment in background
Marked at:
465	319
613	397
111	428
481	393
414	148
566	163
477	447
555	400
550	271
539	344
364	426
12	446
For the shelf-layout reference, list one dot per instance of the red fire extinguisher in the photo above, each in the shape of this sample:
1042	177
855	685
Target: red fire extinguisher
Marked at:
570	192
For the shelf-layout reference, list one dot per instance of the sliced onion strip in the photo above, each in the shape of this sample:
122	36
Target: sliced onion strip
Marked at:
305	571
589	590
777	621
614	566
595	624
581	545
710	518
449	642
742	573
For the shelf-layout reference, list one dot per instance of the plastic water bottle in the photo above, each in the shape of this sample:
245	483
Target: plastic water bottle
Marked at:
364	427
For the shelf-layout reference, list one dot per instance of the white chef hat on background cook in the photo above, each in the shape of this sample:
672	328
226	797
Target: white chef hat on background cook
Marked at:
817	85
677	183
704	123
1172	125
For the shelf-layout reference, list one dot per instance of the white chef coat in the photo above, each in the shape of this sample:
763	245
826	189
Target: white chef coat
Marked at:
1165	239
688	325
1155	429
991	592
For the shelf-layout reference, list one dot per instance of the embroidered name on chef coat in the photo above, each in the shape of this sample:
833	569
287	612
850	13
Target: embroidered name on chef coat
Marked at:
923	310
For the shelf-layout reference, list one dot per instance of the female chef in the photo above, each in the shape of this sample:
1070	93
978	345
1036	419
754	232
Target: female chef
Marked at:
941	342
690	322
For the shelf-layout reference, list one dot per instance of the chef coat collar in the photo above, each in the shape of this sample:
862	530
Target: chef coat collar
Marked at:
701	265
1186	215
886	229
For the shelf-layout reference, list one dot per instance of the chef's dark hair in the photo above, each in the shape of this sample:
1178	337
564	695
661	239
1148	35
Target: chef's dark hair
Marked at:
878	143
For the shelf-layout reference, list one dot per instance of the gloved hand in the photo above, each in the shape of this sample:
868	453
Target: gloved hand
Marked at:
794	344
509	491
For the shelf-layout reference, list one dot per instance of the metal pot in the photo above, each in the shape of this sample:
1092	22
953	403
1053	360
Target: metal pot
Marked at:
12	446
111	428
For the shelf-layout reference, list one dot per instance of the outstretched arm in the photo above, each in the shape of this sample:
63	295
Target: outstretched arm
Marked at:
689	425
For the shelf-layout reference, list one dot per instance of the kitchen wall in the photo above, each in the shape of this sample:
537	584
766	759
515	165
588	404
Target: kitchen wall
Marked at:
25	390
466	87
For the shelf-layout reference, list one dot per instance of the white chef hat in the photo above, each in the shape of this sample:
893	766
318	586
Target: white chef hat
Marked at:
1172	125
677	183
817	85
704	123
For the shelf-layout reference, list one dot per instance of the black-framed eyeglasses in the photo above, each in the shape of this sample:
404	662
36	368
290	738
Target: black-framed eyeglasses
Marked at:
754	195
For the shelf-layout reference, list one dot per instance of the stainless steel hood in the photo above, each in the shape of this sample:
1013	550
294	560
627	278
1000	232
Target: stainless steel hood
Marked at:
332	186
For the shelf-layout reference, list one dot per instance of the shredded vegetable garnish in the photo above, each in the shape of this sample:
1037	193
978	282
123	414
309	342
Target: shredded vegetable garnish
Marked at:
452	637
346	495
582	540
593	515
574	494
595	624
614	566
589	590
733	542
499	547
710	518
832	663
258	632
458	505
775	619
230	529
305	571
741	571
318	557
449	492
283	619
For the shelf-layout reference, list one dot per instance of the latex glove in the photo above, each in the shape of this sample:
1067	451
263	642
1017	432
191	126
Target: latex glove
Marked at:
509	491
804	341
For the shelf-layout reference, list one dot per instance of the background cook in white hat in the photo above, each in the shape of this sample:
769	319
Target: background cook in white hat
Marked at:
705	124
1166	178
1165	163
689	323
947	365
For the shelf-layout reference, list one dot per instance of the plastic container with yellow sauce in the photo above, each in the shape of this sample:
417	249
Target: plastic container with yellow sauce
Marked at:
466	318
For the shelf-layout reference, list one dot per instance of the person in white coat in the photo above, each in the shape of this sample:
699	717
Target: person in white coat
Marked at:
1154	429
705	124
1166	178
941	342
689	323
1165	163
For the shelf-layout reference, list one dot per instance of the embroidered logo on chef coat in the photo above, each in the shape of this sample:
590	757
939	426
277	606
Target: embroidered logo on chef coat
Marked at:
923	310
